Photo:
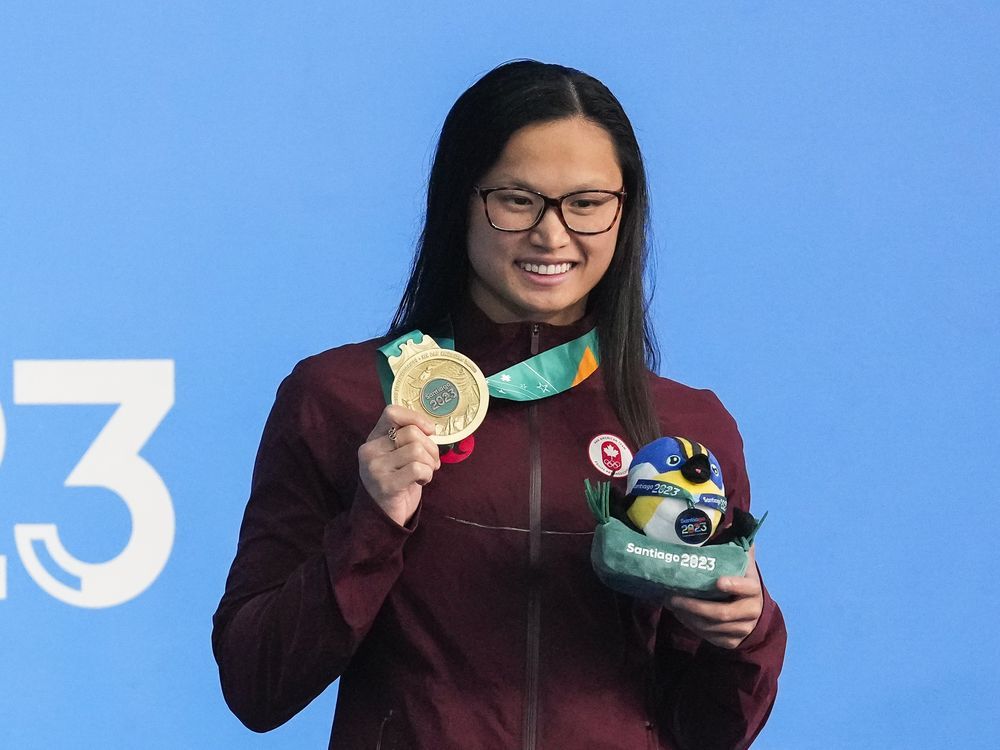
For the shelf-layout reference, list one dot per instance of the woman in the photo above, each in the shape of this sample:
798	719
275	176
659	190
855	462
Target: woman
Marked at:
452	590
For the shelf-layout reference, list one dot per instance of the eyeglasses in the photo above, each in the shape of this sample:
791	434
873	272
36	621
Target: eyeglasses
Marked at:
584	211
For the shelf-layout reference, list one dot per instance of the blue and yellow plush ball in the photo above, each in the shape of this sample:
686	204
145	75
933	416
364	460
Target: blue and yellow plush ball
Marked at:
676	491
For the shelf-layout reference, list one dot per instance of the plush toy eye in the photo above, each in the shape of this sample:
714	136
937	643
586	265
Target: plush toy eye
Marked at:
673	460
715	470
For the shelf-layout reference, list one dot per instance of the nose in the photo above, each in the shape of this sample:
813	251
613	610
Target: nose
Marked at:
550	231
696	469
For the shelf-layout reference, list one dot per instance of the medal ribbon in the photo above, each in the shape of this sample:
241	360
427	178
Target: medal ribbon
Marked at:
545	374
549	372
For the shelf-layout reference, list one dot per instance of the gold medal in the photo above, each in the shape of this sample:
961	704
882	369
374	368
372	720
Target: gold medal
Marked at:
442	384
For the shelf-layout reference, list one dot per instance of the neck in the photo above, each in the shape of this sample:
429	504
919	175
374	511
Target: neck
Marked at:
502	314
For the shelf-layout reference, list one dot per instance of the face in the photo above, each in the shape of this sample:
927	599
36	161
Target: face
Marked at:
543	274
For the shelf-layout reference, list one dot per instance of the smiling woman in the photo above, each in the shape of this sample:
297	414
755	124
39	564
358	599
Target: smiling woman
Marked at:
450	586
544	271
513	120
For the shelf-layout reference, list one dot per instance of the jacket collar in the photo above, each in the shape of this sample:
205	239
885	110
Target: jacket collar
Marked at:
494	346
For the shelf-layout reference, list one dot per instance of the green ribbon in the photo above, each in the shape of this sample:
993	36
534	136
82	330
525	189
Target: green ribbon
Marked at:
545	374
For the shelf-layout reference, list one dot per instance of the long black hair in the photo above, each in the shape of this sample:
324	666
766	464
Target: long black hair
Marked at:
474	134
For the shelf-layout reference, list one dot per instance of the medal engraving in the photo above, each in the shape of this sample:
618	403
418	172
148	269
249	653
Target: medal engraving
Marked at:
439	397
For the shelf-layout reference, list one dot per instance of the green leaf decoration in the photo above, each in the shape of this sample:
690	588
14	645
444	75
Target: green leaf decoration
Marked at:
599	499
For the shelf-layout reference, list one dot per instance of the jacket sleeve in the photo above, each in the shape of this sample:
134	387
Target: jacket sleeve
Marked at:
708	697
315	561
714	698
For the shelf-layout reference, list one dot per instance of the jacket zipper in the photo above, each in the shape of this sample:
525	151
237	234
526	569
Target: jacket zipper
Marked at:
381	729
534	560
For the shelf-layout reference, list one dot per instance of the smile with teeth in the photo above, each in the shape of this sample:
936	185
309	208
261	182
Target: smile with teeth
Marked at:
546	270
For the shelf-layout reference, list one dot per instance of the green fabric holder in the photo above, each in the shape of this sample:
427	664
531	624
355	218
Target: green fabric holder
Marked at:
634	564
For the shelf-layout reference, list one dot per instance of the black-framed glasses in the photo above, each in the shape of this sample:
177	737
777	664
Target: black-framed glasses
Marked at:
511	209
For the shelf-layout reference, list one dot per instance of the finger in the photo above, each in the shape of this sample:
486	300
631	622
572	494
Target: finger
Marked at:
746	585
401	417
398	416
412	435
689	606
732	611
709	629
421	473
377	446
727	640
739	587
402	478
387	476
397	485
736	623
415	452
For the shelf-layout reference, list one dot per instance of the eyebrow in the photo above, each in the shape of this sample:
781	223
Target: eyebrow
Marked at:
508	181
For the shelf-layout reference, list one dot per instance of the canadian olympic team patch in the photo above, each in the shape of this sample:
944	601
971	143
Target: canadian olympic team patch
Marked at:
610	455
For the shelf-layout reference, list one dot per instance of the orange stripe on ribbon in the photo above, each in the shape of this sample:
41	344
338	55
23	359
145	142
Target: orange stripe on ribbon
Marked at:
588	365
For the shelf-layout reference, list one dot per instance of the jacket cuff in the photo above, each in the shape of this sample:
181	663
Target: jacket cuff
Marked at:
367	519
365	550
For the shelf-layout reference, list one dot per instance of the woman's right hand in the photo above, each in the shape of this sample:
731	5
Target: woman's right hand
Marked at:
397	460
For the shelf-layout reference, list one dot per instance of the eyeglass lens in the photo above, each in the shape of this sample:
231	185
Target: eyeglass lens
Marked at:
515	210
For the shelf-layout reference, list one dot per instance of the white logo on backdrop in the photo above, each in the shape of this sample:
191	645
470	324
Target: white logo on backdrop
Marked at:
144	392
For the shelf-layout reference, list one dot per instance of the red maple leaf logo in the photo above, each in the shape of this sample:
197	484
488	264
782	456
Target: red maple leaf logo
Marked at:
612	456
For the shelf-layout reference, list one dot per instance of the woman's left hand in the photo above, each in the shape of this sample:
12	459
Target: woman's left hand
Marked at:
728	623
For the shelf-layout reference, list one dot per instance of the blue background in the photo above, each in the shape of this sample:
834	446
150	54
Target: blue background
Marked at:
234	186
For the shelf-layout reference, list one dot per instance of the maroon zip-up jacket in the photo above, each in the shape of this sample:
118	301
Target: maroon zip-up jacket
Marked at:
481	623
